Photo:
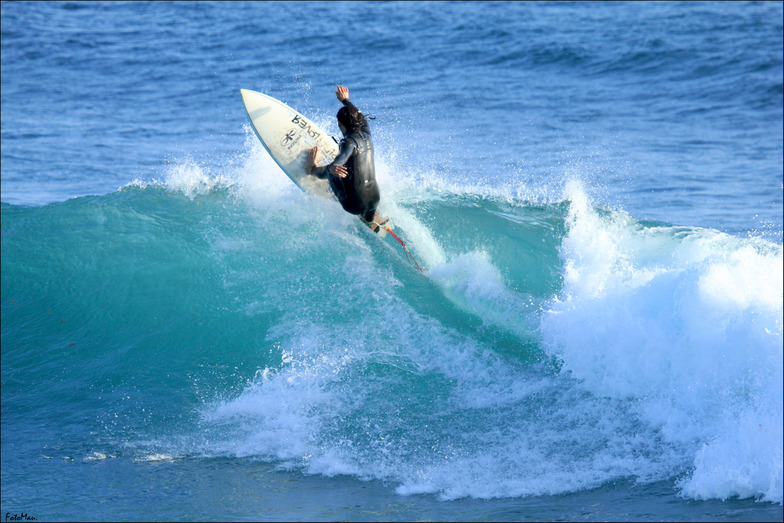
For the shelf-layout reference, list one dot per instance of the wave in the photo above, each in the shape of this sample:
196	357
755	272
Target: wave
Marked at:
551	347
686	323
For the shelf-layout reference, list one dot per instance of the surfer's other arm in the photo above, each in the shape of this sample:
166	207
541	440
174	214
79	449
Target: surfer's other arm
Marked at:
338	169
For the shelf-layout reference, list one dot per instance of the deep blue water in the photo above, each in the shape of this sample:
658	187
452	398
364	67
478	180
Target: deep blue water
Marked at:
594	188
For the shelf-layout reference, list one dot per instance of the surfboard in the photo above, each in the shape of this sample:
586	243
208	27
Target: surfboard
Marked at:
287	136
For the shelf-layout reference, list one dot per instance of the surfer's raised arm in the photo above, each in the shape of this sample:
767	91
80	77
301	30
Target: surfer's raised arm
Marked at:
342	93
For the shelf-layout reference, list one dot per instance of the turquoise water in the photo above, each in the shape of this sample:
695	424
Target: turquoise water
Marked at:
187	336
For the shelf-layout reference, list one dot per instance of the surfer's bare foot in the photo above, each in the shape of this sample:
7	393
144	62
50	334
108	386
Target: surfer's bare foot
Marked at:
380	219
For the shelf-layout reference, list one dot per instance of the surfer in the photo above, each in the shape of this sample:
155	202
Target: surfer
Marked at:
352	174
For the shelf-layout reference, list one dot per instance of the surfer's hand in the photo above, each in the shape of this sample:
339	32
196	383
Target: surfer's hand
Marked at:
338	170
342	93
312	158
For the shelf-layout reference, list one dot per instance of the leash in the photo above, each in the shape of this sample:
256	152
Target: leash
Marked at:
409	256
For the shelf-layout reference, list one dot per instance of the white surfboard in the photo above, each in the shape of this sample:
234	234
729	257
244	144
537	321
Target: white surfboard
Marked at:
288	136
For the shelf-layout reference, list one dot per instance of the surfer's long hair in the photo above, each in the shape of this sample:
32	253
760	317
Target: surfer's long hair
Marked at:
351	118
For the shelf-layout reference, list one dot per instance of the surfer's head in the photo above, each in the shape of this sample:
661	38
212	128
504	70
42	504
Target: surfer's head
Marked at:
350	118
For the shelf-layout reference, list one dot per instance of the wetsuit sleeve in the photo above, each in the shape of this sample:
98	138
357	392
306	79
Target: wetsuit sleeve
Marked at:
346	150
320	172
366	126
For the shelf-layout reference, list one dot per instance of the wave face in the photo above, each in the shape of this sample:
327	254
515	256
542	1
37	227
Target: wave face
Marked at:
550	347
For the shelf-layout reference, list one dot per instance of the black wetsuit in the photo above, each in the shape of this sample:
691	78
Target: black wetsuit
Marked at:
357	192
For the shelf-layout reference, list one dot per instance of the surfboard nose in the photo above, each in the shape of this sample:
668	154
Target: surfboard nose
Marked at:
246	94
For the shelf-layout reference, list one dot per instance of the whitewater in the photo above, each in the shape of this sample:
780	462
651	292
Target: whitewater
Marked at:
658	356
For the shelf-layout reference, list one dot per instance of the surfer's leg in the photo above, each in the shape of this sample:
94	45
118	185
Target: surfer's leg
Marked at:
369	214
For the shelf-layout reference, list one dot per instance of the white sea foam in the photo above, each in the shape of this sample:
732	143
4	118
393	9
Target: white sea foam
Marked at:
367	386
688	323
156	458
190	178
98	456
474	283
259	180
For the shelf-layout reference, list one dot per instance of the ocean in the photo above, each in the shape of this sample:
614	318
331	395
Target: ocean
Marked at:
595	192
